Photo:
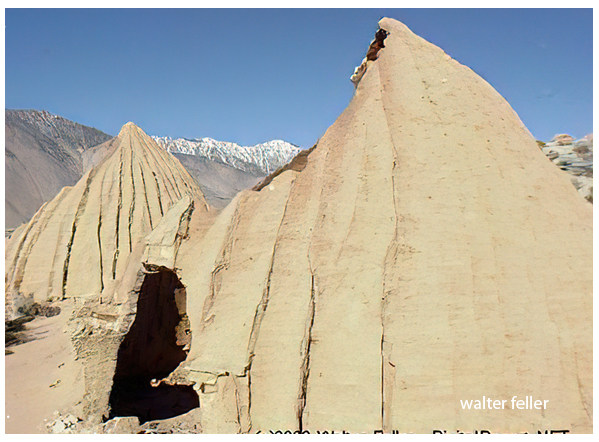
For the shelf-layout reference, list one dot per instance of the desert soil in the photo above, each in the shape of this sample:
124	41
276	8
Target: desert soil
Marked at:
42	376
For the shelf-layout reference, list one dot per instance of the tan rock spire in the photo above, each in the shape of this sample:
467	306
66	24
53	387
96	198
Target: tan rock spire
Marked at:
428	253
77	245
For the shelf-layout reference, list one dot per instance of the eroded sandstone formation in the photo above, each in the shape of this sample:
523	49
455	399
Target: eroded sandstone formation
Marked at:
371	285
408	266
77	245
97	237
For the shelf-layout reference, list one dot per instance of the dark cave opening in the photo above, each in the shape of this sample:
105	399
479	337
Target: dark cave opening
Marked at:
157	342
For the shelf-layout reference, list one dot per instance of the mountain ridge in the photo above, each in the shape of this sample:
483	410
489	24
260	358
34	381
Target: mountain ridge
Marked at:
43	153
262	158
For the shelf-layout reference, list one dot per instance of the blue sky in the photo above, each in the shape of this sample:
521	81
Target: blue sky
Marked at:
249	76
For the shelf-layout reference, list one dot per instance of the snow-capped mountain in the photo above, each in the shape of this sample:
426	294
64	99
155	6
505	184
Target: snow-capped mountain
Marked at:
260	159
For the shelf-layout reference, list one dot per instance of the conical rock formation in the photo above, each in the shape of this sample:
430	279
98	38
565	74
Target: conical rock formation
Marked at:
77	245
397	275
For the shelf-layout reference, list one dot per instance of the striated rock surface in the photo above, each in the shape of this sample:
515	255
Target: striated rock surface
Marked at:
43	153
106	248
576	158
372	284
409	265
77	245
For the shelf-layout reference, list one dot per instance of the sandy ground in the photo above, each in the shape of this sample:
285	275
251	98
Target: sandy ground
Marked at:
34	366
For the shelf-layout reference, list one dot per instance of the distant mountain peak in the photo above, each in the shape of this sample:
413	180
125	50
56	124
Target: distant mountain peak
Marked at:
262	158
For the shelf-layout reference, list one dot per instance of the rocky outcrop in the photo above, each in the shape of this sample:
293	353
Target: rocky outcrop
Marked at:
404	264
373	52
575	158
43	153
119	227
562	139
78	244
408	266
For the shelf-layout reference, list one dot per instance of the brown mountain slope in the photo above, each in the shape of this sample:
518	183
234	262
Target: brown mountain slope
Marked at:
42	155
219	182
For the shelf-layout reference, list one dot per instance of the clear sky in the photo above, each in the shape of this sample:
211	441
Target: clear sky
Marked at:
249	76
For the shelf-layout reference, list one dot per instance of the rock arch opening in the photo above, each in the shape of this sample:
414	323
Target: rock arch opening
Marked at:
157	342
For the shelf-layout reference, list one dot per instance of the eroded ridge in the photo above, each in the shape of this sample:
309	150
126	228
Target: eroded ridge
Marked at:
92	228
390	247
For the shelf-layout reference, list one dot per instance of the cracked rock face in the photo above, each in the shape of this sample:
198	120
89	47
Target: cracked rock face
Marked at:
396	275
109	244
371	285
574	157
77	245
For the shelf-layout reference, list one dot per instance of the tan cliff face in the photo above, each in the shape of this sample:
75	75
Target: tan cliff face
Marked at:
77	245
373	284
396	275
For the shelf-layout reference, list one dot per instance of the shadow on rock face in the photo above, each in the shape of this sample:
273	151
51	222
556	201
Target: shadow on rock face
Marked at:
151	350
152	403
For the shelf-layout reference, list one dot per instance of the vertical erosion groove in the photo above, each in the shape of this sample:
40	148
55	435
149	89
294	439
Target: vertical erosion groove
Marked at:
305	355
100	233
261	309
145	153
387	366
118	216
145	192
132	206
184	220
78	213
237	404
100	245
258	317
219	265
160	168
158	194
